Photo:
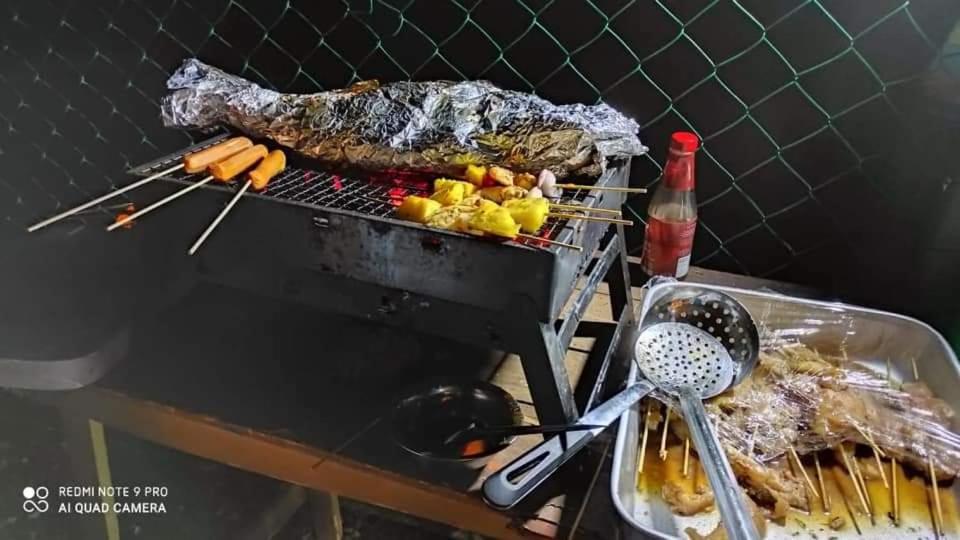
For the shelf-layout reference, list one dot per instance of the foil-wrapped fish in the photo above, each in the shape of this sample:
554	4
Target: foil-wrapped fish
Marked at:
437	127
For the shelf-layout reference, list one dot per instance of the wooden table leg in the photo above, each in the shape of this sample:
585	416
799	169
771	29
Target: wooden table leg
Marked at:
87	447
327	522
276	515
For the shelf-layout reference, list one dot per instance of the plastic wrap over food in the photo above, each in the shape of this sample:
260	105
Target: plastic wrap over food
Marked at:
436	127
819	382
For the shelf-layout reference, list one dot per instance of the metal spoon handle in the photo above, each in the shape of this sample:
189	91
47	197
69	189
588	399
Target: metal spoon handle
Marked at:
508	431
506	487
733	509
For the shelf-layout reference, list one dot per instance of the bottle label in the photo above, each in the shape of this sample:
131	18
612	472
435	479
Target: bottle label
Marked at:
667	247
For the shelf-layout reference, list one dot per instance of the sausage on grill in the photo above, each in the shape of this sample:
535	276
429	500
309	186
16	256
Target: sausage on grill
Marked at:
271	166
198	161
225	170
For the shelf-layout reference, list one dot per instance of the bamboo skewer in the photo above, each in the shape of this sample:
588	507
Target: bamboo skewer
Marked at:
552	242
883	474
894	491
158	204
216	221
602	188
916	374
803	472
856	484
877	454
663	435
870	441
98	200
686	457
846	503
643	441
824	496
579	208
618	221
863	487
935	489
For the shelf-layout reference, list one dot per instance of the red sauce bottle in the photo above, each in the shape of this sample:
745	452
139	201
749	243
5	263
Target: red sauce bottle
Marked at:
672	214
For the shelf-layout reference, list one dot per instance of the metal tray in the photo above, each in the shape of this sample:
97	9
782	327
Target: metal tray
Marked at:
865	333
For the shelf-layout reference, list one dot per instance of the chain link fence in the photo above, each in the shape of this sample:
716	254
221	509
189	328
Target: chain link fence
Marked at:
796	100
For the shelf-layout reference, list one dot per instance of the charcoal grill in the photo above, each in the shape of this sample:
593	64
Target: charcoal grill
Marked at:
331	240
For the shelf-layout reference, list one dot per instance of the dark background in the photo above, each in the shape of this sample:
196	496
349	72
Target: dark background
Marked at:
828	156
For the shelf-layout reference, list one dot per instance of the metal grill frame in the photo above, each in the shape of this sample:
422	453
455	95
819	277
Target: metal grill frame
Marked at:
506	296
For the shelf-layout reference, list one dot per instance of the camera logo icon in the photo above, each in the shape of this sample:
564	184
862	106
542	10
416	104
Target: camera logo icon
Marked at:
35	499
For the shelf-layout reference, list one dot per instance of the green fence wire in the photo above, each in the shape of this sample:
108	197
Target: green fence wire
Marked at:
788	96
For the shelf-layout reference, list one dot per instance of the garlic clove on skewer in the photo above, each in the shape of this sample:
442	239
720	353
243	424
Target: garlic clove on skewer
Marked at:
547	182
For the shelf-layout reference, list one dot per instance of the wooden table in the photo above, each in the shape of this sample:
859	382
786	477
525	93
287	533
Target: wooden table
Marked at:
250	383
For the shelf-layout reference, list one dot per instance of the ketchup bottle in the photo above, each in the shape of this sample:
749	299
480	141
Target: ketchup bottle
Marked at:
672	214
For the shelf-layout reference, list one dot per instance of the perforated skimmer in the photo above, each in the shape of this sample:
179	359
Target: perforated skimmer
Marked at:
694	343
674	356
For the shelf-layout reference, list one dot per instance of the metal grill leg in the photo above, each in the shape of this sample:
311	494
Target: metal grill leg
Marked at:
612	349
618	278
543	364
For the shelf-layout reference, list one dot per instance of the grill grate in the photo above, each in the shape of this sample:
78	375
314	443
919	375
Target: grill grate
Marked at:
376	195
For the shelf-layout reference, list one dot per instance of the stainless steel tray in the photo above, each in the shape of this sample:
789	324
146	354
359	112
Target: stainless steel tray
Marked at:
866	334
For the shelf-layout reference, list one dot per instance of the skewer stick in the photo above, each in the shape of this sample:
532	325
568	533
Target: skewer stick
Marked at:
158	204
824	496
686	457
894	491
916	374
216	221
938	514
602	188
579	208
591	218
883	475
843	498
803	472
99	200
553	242
856	484
863	486
663	435
643	441
871	442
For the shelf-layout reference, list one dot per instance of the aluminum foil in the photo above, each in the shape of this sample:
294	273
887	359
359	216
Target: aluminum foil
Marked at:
437	126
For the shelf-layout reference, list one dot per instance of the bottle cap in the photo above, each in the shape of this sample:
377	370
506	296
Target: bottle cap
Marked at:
684	141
